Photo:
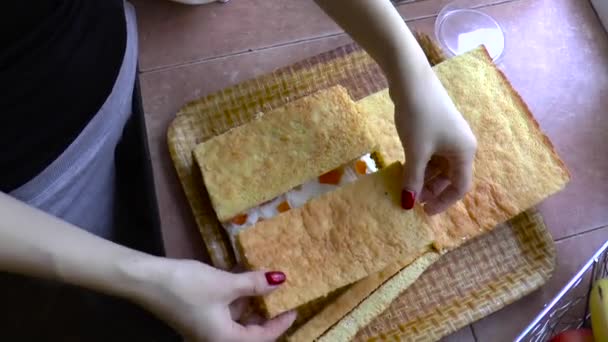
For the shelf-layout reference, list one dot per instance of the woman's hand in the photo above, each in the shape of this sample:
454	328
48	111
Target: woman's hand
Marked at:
207	304
199	301
439	144
437	140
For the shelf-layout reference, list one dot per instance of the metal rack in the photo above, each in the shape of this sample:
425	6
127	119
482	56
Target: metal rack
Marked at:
558	315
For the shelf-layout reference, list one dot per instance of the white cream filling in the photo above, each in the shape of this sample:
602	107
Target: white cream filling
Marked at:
298	196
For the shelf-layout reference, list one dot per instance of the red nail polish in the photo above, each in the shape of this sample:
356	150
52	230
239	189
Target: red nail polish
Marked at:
407	199
275	278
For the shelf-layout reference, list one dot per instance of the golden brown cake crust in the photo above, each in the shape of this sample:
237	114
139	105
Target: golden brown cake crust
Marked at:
281	149
456	226
381	112
516	165
335	239
379	300
528	112
347	301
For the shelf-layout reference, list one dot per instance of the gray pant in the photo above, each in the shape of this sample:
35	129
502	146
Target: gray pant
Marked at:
79	186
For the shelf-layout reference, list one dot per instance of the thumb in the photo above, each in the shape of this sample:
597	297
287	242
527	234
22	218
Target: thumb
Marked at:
258	283
413	178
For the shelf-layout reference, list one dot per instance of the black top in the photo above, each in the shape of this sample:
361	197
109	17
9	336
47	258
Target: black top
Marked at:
59	60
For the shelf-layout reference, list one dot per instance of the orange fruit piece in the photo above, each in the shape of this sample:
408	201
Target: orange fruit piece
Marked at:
283	207
361	167
240	219
331	177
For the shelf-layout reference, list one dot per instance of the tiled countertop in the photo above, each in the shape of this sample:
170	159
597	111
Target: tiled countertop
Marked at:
556	57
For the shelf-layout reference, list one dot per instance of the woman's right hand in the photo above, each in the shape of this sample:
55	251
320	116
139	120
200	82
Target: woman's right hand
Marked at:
439	145
207	304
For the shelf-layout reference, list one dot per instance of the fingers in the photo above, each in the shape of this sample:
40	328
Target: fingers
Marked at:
433	188
255	283
238	307
425	180
435	178
269	331
461	173
435	167
243	311
413	178
253	319
440	203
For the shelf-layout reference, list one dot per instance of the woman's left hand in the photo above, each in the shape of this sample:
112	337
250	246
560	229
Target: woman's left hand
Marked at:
439	145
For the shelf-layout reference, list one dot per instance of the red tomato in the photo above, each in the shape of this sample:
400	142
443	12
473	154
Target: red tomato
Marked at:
331	177
361	167
283	207
574	335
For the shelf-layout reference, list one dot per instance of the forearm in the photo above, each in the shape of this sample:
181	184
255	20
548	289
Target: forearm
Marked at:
377	27
36	244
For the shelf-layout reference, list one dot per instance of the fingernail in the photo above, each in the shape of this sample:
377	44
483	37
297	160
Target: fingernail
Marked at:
407	199
275	278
